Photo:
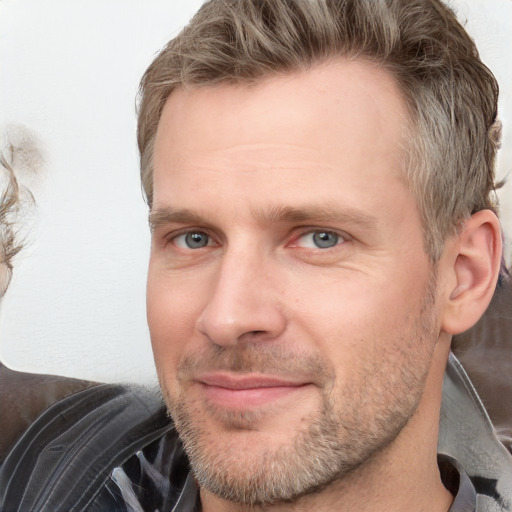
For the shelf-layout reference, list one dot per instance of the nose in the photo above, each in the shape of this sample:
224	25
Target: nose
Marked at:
243	303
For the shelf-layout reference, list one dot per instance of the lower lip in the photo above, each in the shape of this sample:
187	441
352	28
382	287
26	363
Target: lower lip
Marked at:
247	398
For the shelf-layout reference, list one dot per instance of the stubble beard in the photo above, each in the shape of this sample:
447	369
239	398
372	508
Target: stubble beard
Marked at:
340	438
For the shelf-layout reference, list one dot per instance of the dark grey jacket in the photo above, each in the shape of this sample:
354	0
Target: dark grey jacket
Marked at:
113	448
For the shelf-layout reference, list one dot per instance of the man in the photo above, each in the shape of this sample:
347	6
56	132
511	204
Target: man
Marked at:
320	178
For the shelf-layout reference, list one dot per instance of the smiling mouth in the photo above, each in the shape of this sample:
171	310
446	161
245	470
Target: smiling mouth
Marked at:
248	391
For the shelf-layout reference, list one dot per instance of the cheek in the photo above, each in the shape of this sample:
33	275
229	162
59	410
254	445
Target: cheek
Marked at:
171	316
355	300
359	313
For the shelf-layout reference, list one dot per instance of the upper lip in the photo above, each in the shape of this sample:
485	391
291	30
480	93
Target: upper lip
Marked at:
247	381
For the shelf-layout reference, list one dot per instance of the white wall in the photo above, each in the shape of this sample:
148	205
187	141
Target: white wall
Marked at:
70	70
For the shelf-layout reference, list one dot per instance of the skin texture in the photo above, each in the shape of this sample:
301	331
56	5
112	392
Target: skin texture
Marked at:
299	377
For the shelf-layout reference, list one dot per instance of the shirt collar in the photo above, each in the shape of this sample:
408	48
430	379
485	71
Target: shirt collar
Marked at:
456	480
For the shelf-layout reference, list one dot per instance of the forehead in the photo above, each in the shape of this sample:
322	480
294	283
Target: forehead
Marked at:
341	122
359	91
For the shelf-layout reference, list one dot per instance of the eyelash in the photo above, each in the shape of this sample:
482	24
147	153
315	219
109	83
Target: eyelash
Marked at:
171	239
342	238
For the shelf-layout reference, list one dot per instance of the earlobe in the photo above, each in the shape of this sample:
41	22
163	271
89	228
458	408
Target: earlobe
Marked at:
474	258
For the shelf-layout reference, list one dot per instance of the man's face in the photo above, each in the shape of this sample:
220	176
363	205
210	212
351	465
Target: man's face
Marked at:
289	294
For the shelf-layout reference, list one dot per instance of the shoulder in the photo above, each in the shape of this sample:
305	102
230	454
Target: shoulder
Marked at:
66	455
467	436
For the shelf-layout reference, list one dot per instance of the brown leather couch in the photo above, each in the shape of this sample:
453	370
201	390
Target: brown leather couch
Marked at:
24	396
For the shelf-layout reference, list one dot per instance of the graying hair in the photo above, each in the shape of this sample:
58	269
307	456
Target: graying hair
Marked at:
450	94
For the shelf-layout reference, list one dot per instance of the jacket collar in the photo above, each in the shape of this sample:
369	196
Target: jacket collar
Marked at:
467	436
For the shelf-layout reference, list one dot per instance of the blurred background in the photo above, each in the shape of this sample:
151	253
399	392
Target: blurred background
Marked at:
70	73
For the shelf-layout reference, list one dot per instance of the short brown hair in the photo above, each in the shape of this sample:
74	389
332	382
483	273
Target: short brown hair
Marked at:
451	95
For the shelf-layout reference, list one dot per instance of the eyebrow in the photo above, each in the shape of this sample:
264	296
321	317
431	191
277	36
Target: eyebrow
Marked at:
316	213
165	215
273	215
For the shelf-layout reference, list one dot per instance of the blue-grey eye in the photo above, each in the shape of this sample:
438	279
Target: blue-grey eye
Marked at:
325	239
320	240
192	240
196	240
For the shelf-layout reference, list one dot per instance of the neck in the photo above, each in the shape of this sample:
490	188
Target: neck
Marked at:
402	477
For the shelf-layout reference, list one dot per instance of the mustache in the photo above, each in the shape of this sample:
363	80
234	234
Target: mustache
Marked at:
265	359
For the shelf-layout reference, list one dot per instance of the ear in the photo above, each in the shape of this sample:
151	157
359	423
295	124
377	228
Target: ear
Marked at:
471	264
